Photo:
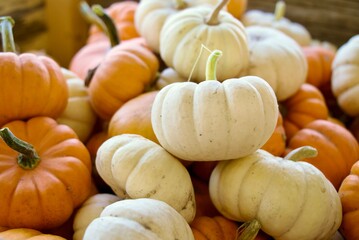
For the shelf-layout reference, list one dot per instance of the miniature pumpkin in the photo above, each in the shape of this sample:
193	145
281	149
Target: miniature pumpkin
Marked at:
152	14
268	47
136	167
78	113
134	117
237	7
345	76
277	142
27	234
319	61
305	106
184	34
168	76
90	210
123	14
49	178
277	21
337	148
286	198
143	218
31	85
214	120
349	195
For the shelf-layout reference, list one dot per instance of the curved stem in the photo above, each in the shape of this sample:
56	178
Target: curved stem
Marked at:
180	4
213	18
279	10
90	16
28	157
6	25
250	231
111	29
211	66
301	153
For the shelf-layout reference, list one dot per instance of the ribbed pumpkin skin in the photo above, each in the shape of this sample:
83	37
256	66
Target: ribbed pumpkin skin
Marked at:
349	196
43	197
214	228
337	148
122	75
30	86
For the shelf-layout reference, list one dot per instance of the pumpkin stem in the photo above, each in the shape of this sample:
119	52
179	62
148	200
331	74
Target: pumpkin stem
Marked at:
180	4
213	19
279	10
250	231
211	65
6	25
301	153
28	157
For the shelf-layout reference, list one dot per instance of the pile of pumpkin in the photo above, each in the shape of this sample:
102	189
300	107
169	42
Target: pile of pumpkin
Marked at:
181	120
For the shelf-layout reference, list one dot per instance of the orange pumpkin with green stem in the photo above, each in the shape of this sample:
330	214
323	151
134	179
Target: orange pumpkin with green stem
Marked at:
31	85
50	173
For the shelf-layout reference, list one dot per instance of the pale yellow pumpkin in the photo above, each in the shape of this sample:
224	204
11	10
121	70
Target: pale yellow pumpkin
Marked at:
140	219
278	59
168	76
345	76
78	113
287	199
212	120
135	167
184	34
90	210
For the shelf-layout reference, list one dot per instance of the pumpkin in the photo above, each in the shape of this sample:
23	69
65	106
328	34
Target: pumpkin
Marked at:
349	195
50	172
183	35
78	113
90	210
134	117
268	47
324	44
31	85
123	14
337	148
286	198
237	7
27	234
142	218
277	21
277	142
152	14
168	76
136	167
354	128
319	61
345	76
214	120
305	106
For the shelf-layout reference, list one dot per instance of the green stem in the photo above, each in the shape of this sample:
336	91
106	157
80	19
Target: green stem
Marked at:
28	157
6	25
211	66
250	231
111	29
279	10
301	153
213	18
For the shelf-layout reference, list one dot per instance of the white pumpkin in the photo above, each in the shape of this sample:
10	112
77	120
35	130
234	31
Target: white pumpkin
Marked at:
184	34
150	16
287	199
278	59
214	120
90	210
78	114
345	76
168	76
140	219
135	167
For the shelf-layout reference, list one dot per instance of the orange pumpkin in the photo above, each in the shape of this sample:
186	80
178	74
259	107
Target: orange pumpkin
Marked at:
337	148
27	234
134	117
237	7
354	128
349	196
122	13
305	106
204	204
31	85
45	174
319	61
276	144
